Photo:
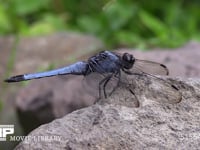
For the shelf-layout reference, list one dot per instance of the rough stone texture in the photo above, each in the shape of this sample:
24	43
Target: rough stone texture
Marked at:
44	100
115	124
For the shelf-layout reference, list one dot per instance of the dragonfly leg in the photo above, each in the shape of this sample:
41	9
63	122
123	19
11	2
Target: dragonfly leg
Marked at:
118	76
137	101
101	82
105	83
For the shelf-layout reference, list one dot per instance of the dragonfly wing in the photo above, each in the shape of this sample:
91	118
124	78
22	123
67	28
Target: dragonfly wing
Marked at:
94	83
91	83
150	67
155	88
164	91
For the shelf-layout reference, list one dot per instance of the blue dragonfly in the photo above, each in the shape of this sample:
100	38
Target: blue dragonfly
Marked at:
107	67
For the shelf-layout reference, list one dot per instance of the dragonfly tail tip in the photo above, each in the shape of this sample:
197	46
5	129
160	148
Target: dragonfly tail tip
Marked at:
17	78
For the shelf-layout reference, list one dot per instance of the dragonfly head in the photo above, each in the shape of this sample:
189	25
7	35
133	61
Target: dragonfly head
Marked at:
128	60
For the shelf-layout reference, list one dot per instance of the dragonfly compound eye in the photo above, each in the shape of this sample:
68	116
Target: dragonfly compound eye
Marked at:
128	60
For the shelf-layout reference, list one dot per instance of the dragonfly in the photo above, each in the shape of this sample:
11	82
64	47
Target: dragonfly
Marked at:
106	69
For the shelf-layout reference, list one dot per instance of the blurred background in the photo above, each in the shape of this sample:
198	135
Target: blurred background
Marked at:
131	23
40	35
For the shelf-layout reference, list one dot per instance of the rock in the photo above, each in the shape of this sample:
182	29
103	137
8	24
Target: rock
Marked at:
115	124
68	95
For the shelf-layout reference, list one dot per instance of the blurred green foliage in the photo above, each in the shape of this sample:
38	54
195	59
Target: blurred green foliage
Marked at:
133	23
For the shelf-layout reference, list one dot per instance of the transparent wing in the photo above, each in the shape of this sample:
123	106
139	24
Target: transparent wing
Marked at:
91	83
155	88
164	91
95	83
150	67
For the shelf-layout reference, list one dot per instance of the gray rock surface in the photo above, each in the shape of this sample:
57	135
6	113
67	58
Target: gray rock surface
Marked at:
115	123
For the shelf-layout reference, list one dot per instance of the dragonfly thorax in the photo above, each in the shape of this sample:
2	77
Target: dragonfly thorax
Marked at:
128	60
